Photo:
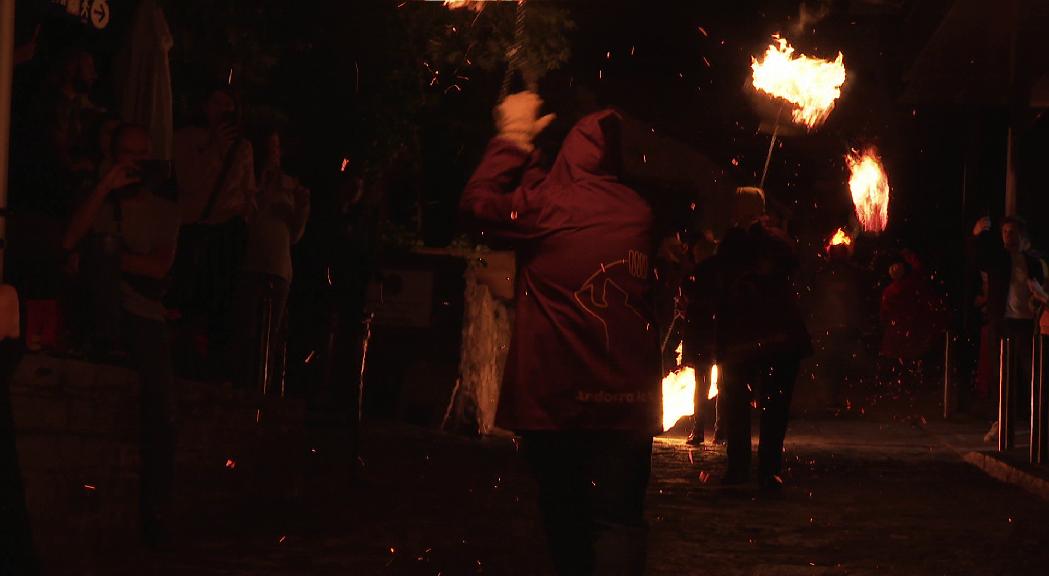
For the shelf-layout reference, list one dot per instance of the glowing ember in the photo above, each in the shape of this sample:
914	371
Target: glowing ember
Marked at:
870	189
679	393
712	392
812	85
840	238
345	163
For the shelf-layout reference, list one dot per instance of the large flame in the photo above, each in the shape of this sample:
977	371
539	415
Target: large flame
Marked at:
679	392
810	84
679	395
870	189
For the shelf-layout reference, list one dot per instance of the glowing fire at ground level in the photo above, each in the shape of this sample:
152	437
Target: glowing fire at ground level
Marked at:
679	393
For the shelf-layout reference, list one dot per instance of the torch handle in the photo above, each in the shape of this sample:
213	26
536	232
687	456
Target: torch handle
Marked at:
768	157
513	55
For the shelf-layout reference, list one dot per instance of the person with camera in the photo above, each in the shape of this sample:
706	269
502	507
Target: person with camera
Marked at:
138	230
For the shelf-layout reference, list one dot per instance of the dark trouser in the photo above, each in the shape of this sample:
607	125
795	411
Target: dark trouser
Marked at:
205	275
150	351
16	545
774	380
1020	333
592	494
257	295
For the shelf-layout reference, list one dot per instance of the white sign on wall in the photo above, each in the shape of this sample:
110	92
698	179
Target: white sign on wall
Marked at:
95	12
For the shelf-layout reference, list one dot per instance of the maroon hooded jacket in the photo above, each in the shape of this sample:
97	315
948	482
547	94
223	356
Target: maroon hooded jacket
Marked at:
584	353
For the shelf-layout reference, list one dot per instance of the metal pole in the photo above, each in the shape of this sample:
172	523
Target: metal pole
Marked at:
947	375
264	339
7	70
514	55
368	317
1043	405
1036	418
1032	444
1005	425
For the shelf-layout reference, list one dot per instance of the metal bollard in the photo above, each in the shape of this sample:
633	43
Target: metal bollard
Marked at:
1041	440
1005	424
1033	416
947	375
265	328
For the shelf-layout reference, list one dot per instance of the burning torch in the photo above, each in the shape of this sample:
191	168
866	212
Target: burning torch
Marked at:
809	85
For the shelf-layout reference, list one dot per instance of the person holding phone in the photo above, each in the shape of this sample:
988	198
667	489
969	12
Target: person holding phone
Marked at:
138	230
214	168
213	164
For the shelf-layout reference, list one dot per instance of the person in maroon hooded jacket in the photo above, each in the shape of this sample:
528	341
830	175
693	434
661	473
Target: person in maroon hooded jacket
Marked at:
582	381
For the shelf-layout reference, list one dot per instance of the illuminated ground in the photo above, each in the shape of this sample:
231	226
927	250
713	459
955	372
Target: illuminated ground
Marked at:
864	498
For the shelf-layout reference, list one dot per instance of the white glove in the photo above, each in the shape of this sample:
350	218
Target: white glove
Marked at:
516	119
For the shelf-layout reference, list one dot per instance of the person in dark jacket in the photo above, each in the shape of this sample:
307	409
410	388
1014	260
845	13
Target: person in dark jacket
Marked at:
581	385
761	339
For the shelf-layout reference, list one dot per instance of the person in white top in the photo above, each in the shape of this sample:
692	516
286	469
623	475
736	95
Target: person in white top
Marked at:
276	221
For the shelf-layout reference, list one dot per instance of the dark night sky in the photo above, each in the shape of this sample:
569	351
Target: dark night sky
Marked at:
694	84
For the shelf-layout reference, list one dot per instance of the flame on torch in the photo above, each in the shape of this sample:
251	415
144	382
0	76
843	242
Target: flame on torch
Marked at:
712	392
870	189
840	238
812	85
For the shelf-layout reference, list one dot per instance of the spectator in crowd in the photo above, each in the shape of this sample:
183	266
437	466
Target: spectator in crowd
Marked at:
215	172
72	110
214	164
702	290
125	207
49	161
912	316
837	306
1006	264
92	308
276	222
581	384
